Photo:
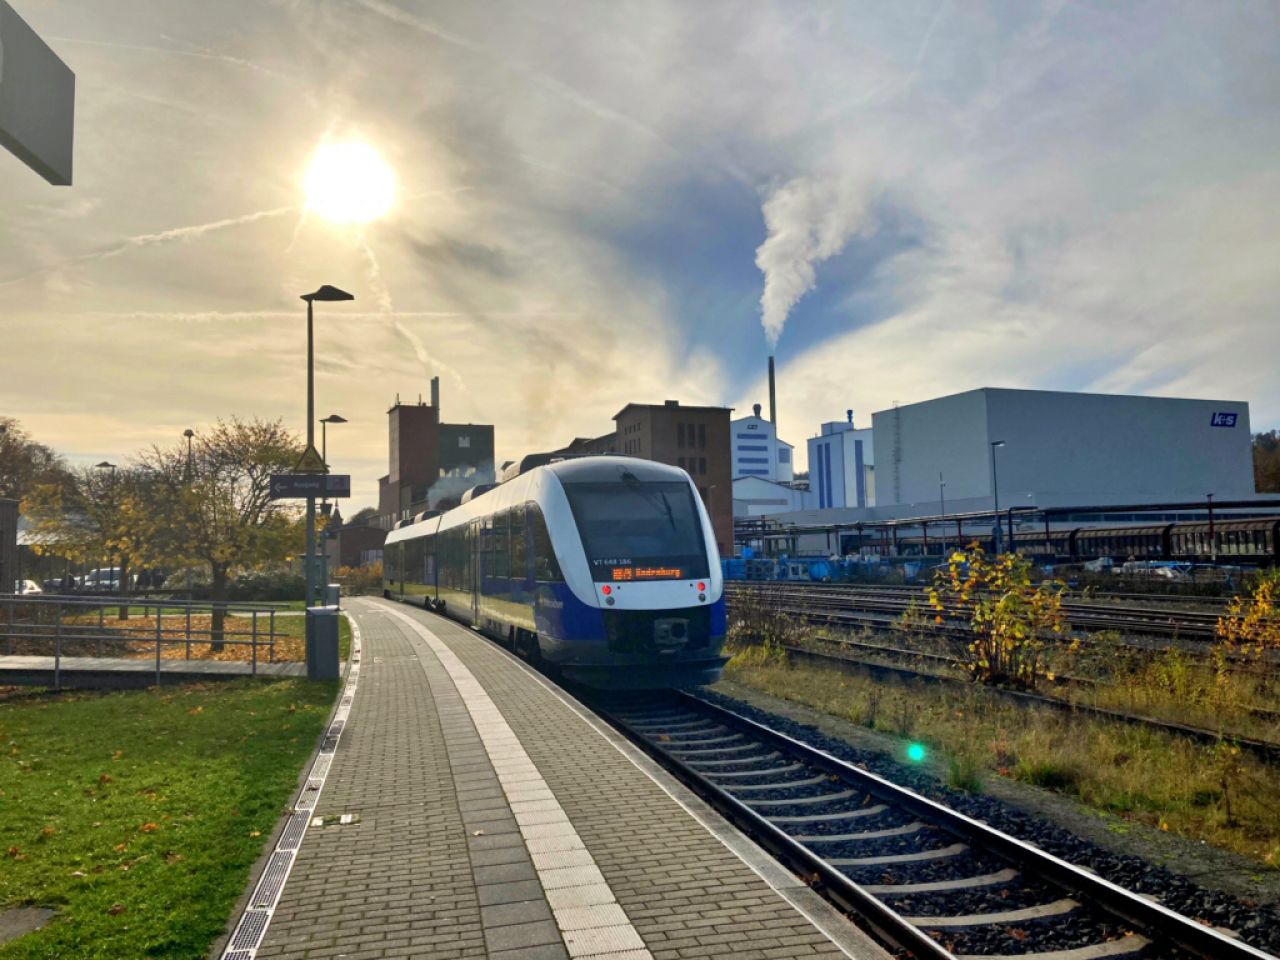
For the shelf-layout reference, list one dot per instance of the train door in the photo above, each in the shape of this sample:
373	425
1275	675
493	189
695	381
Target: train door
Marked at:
477	572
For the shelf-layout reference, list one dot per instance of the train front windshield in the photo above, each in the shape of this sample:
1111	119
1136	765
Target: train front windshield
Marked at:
635	531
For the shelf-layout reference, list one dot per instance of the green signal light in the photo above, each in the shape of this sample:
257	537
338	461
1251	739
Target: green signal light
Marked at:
916	752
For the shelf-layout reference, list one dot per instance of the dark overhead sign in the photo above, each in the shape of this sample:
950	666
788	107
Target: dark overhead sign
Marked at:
292	486
37	100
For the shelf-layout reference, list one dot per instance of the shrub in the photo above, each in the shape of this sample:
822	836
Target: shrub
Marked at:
267	585
1253	624
358	581
1009	618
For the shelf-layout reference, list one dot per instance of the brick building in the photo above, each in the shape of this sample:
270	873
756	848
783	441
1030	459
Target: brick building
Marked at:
695	439
431	464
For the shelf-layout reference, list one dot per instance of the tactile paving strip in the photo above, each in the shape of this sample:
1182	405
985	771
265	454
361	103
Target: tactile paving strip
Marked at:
250	930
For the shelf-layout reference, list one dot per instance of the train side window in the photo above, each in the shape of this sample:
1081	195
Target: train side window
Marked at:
519	543
544	557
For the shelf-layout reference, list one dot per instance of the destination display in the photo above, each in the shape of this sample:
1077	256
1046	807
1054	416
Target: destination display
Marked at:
648	573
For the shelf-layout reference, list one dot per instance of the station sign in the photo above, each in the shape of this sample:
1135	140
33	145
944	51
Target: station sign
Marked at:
37	100
294	486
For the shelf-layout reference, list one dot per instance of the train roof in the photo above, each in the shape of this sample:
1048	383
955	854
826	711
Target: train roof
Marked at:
596	469
590	469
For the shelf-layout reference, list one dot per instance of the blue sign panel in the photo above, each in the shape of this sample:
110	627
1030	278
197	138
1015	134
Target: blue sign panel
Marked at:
1223	420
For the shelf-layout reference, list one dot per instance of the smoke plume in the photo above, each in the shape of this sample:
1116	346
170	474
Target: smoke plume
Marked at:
808	221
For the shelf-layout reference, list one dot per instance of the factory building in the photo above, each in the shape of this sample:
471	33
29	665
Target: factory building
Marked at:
1043	448
432	464
758	497
757	451
842	465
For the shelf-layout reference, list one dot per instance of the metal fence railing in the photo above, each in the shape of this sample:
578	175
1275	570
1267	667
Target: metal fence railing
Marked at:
80	626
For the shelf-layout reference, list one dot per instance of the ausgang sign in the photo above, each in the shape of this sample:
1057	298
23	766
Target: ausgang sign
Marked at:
37	100
292	486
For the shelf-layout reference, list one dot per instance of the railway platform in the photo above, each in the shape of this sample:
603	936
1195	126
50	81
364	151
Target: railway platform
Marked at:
463	806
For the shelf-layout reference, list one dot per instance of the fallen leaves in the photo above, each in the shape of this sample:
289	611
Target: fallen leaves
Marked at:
15	853
105	779
150	827
116	909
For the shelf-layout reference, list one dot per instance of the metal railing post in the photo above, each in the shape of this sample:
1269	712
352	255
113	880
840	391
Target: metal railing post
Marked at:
188	625
271	649
254	620
157	646
57	647
10	603
102	629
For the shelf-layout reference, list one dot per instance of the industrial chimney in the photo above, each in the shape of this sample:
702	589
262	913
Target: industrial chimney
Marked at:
773	406
435	396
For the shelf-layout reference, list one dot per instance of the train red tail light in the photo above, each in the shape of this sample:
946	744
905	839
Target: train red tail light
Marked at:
702	587
606	589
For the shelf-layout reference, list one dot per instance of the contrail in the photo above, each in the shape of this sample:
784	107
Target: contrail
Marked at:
151	239
197	53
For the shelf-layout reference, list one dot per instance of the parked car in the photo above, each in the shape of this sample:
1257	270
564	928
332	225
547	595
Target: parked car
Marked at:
26	587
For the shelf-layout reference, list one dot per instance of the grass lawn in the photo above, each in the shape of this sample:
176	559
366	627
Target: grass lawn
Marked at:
138	815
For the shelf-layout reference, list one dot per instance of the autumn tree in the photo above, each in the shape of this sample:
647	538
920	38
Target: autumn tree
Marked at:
96	514
1010	617
219	506
1266	462
25	464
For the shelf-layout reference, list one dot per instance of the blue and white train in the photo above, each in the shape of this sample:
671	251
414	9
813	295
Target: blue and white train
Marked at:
605	568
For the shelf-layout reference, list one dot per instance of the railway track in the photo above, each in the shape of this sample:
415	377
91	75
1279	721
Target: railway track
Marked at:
930	880
889	604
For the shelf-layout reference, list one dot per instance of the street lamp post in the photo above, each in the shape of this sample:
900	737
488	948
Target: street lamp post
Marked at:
942	511
1213	540
995	491
190	435
325	293
104	465
324	442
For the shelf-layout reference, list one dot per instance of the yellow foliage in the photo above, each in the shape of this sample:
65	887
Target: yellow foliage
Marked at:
1253	623
1009	616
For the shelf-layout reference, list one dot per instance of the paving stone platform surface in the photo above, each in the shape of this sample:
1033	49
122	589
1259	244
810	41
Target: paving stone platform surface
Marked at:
494	819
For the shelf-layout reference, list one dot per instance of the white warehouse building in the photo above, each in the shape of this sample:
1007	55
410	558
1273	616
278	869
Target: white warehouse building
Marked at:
1058	449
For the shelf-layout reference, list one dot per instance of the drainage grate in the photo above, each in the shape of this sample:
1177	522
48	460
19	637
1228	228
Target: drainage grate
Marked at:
292	835
252	926
272	879
320	769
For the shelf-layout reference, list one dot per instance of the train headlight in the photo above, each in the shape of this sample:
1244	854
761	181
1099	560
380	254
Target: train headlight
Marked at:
609	601
702	597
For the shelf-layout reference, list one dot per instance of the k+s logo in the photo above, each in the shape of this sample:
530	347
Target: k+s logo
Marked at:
1223	420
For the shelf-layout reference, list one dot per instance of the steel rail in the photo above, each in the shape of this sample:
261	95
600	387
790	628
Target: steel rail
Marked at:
892	928
1161	923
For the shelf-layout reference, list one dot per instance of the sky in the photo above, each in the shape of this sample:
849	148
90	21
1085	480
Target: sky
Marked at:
602	203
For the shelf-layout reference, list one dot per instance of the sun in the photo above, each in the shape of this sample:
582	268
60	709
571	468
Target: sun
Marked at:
349	183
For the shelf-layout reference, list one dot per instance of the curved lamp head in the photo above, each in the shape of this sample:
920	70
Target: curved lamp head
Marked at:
334	418
328	293
104	465
188	433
